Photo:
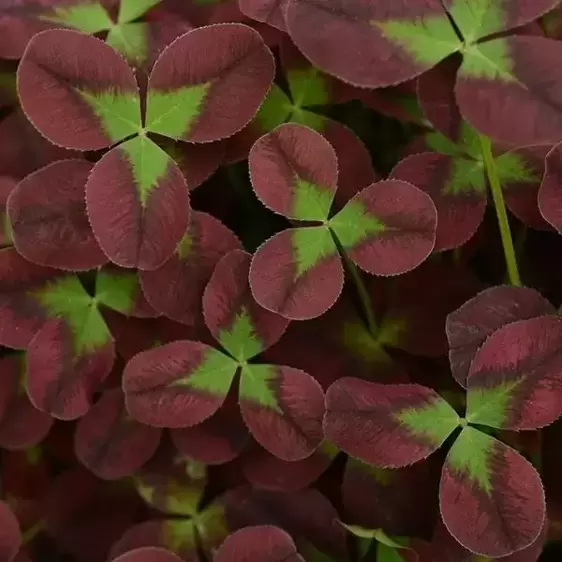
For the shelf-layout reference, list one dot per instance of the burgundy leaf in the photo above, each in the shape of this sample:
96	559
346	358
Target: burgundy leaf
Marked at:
470	325
506	77
267	472
24	150
241	326
263	543
111	444
217	440
306	515
371	44
387	425
266	11
209	83
152	214
176	288
21	314
460	204
21	425
283	409
355	168
48	218
10	537
148	554
514	380
64	371
549	197
294	172
297	273
77	91
179	384
491	498
174	535
522	171
378	498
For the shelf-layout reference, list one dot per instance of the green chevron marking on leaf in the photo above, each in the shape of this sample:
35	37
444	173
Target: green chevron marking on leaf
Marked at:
435	421
173	113
117	291
310	246
119	113
240	338
88	17
489	60
214	374
308	88
477	18
130	10
470	455
211	524
185	246
67	299
428	41
311	201
149	164
179	534
467	176
489	406
353	224
275	109
130	39
255	386
513	168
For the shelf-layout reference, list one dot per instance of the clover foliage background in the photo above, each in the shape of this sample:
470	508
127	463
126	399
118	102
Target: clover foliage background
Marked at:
280	280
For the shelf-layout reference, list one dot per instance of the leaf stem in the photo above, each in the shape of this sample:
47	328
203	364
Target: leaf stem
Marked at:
361	291
501	211
33	531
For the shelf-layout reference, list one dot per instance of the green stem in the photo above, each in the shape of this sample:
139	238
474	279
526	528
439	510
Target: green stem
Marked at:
362	292
501	211
32	532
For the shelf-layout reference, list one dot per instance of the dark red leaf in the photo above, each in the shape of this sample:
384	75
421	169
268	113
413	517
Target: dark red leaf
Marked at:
266	11
218	439
22	426
176	288
209	83
77	91
179	384
111	444
491	498
64	369
450	182
283	409
506	77
148	554
549	199
10	537
241	326
306	515
514	378
294	172
48	218
470	325
143	230
263	543
371	44
387	425
21	314
297	273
